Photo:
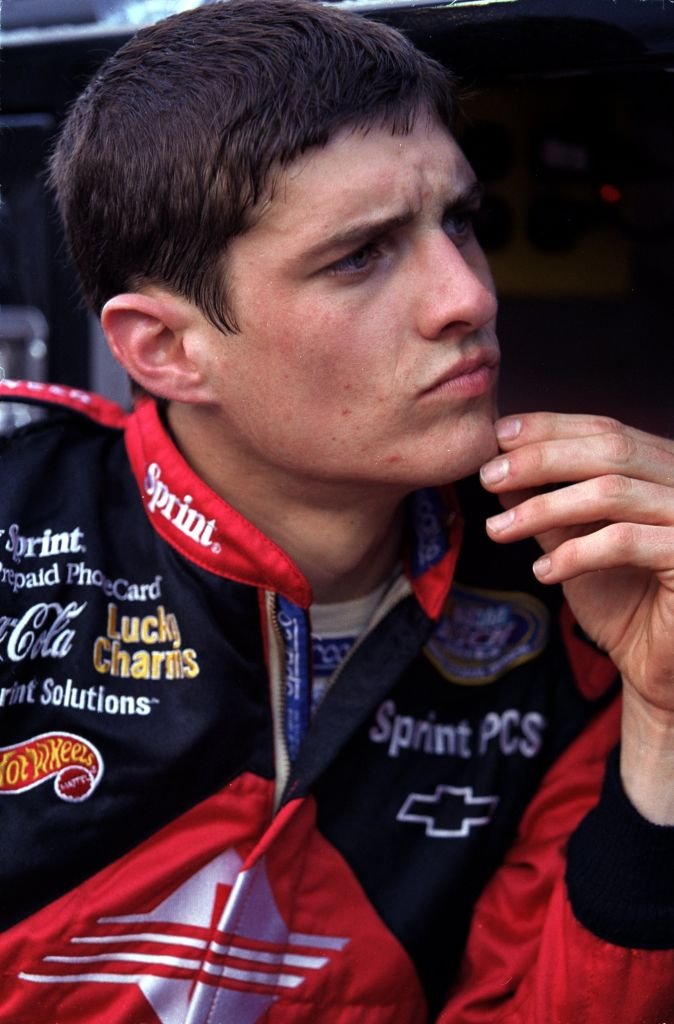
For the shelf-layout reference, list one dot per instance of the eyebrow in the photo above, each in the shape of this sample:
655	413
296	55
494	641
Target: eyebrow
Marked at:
372	227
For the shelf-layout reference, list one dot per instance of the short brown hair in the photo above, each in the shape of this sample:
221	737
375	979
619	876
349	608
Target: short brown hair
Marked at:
168	151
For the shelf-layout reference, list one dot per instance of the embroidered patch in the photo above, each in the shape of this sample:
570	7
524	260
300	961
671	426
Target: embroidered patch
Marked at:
72	762
485	633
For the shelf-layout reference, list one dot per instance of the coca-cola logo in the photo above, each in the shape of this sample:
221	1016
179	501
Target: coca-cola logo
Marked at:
43	631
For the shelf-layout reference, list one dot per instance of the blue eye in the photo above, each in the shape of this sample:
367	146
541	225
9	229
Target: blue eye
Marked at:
355	261
458	225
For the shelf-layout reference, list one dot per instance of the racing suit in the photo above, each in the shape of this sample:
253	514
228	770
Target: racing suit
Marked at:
183	843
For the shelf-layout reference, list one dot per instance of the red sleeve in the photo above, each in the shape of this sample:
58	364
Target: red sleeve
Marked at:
529	959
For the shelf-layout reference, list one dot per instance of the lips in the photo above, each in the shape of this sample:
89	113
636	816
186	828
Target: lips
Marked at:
477	365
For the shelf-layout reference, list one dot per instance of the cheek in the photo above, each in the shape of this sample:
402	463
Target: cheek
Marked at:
331	353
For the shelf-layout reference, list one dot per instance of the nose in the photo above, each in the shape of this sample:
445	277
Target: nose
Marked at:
456	290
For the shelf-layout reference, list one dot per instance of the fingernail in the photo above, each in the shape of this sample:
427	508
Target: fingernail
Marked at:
542	568
501	522
495	471
508	430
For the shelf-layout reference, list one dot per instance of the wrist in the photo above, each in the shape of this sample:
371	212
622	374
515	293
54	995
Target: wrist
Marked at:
647	758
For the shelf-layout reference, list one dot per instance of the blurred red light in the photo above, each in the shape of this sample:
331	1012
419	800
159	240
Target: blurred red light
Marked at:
610	193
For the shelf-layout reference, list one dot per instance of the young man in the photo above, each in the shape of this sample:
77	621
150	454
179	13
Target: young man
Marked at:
285	735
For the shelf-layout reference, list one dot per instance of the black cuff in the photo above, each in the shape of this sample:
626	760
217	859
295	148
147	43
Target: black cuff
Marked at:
620	871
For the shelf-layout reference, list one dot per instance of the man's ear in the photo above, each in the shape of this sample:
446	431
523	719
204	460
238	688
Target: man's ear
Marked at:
153	336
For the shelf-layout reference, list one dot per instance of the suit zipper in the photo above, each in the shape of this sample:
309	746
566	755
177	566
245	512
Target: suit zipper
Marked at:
277	684
277	674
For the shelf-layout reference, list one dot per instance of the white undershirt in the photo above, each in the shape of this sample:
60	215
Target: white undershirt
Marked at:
335	629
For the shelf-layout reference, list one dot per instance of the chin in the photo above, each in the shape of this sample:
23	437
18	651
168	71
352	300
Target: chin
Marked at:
472	444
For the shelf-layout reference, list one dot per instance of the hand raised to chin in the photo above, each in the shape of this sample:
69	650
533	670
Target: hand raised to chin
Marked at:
598	496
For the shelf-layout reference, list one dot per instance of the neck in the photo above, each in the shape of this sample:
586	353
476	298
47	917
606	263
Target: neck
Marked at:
344	553
345	538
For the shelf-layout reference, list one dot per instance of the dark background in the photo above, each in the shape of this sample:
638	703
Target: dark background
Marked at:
568	118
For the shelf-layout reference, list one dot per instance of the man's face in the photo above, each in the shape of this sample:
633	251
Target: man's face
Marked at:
367	351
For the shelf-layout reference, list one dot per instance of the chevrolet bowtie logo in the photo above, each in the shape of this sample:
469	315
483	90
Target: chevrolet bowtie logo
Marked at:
448	813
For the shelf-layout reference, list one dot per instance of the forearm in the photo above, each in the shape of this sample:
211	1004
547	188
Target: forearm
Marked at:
647	758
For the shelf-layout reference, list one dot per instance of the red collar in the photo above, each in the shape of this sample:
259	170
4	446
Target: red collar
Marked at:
194	520
210	532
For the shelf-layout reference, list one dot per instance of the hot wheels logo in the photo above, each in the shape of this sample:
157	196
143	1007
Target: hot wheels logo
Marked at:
72	762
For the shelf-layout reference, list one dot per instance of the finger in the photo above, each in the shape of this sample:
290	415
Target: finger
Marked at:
619	545
510	498
570	460
527	428
611	498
